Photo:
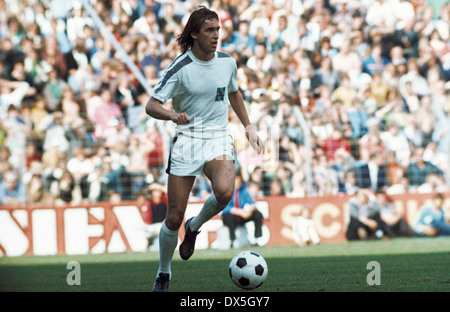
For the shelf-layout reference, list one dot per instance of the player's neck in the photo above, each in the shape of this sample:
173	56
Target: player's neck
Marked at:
201	54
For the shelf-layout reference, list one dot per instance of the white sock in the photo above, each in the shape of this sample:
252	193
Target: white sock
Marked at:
210	208
168	241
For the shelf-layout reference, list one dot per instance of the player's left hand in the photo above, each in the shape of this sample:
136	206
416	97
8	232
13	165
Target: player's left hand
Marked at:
254	140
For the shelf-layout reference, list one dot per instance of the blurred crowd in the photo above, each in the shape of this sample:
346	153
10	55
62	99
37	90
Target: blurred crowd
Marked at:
371	78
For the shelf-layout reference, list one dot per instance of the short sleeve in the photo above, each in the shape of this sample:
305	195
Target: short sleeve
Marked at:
232	85
166	88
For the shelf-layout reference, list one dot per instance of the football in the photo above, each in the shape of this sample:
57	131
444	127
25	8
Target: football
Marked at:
248	270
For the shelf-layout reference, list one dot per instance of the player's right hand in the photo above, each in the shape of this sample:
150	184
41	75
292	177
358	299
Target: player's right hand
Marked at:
180	118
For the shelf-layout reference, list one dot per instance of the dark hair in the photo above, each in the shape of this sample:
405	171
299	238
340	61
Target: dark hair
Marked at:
194	24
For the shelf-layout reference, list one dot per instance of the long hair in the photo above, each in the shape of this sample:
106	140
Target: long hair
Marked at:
193	25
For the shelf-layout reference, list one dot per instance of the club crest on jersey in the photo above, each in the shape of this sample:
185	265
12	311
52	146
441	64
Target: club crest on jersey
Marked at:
220	94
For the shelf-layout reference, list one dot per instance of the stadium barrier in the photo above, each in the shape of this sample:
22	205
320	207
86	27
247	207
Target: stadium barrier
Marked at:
104	227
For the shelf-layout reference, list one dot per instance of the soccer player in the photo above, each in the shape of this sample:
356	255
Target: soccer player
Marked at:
201	83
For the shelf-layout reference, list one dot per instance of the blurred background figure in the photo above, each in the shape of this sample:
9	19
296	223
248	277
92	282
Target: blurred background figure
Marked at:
431	221
365	218
392	217
304	229
154	212
240	210
11	192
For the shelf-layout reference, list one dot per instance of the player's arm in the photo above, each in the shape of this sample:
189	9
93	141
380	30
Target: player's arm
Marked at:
155	109
237	103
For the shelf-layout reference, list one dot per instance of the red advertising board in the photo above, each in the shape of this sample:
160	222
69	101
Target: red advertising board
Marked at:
103	227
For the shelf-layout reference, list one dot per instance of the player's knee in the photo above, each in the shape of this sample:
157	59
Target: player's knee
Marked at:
223	197
174	220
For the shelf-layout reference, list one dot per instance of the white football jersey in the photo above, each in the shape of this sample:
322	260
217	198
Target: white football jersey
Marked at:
200	89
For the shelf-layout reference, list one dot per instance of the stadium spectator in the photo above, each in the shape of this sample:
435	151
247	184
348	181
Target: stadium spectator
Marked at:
343	163
280	34
434	182
52	55
419	169
39	116
335	142
80	165
78	136
117	134
55	134
44	49
155	156
137	169
372	175
62	189
325	178
53	90
280	65
365	219
151	54
79	54
11	189
107	114
32	155
114	197
441	135
112	172
260	60
358	117
304	229
36	193
16	130
240	210
359	79
147	26
412	131
396	141
343	61
70	107
259	177
76	22
325	75
276	188
94	186
350	186
419	84
411	98
243	42
12	93
375	62
392	217
325	48
345	93
431	220
428	118
154	210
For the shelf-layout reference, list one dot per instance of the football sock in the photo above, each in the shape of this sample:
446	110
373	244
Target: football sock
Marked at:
168	241
210	208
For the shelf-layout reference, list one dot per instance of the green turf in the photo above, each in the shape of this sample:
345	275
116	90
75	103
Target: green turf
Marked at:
413	264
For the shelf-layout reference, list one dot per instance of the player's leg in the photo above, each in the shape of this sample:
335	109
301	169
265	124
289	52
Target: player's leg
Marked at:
178	192
221	173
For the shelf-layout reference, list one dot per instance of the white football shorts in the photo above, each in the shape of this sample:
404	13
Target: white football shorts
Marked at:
189	154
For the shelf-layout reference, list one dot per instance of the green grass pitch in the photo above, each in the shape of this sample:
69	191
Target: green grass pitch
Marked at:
406	265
